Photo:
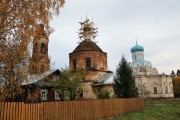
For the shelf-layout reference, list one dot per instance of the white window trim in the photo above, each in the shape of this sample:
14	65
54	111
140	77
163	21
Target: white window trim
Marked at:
44	96
56	96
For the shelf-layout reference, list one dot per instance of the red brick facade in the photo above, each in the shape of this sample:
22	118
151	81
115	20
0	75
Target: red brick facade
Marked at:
94	60
40	61
98	60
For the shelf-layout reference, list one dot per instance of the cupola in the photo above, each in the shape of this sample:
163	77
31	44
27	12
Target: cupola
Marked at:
137	48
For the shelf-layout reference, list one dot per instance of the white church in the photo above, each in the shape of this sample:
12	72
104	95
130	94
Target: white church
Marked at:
149	83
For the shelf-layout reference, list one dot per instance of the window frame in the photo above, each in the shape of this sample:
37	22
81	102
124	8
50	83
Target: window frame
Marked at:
56	96
88	63
155	90
44	93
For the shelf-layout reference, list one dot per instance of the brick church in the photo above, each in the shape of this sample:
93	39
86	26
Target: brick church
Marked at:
89	56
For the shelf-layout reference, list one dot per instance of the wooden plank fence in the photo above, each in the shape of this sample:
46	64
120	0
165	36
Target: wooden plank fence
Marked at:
69	110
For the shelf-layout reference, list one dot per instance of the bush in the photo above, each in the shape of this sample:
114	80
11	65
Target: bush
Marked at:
103	94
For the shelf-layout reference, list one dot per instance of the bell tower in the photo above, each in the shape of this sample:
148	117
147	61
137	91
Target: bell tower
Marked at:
40	61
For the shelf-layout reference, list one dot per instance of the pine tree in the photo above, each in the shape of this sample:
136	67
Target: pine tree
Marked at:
124	81
173	74
178	72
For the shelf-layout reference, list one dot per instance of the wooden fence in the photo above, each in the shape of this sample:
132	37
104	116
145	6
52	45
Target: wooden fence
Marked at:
70	110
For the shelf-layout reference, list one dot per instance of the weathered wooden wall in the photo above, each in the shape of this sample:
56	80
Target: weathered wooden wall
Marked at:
70	110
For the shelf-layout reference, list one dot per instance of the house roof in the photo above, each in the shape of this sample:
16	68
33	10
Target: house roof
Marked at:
34	79
105	78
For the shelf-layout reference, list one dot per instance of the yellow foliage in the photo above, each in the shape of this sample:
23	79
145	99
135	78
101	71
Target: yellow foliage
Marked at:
19	23
176	85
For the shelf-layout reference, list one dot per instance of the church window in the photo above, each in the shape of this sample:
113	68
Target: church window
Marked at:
135	57
74	64
43	48
155	90
88	63
44	94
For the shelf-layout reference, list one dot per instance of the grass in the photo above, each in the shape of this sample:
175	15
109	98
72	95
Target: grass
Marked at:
157	109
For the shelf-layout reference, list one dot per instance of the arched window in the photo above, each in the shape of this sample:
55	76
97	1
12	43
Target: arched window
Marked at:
88	63
155	90
74	64
43	48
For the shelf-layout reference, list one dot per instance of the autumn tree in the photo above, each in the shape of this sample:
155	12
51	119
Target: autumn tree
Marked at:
68	86
176	84
124	81
19	21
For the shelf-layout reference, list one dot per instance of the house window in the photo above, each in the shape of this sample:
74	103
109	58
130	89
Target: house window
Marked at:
88	63
43	48
56	95
74	64
44	94
55	78
166	90
155	90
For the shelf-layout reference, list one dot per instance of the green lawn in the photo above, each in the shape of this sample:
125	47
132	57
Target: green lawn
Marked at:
164	109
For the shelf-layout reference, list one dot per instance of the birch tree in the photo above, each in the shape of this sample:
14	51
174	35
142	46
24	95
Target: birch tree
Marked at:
19	22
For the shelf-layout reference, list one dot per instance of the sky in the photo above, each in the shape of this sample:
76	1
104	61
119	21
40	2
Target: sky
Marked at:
154	23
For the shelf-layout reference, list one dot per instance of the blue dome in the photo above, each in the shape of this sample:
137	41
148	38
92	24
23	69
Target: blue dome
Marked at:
137	48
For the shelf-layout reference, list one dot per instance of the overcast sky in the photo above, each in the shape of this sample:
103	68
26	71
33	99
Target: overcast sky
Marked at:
155	24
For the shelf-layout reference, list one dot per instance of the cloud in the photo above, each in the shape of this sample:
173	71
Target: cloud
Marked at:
155	23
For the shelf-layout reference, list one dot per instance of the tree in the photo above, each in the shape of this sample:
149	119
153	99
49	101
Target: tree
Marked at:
173	74
68	85
124	81
103	94
176	86
178	72
19	23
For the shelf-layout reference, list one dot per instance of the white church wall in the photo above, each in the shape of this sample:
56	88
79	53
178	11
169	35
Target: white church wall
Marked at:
154	86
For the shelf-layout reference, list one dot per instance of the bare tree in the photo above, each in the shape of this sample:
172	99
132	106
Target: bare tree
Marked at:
19	21
143	91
